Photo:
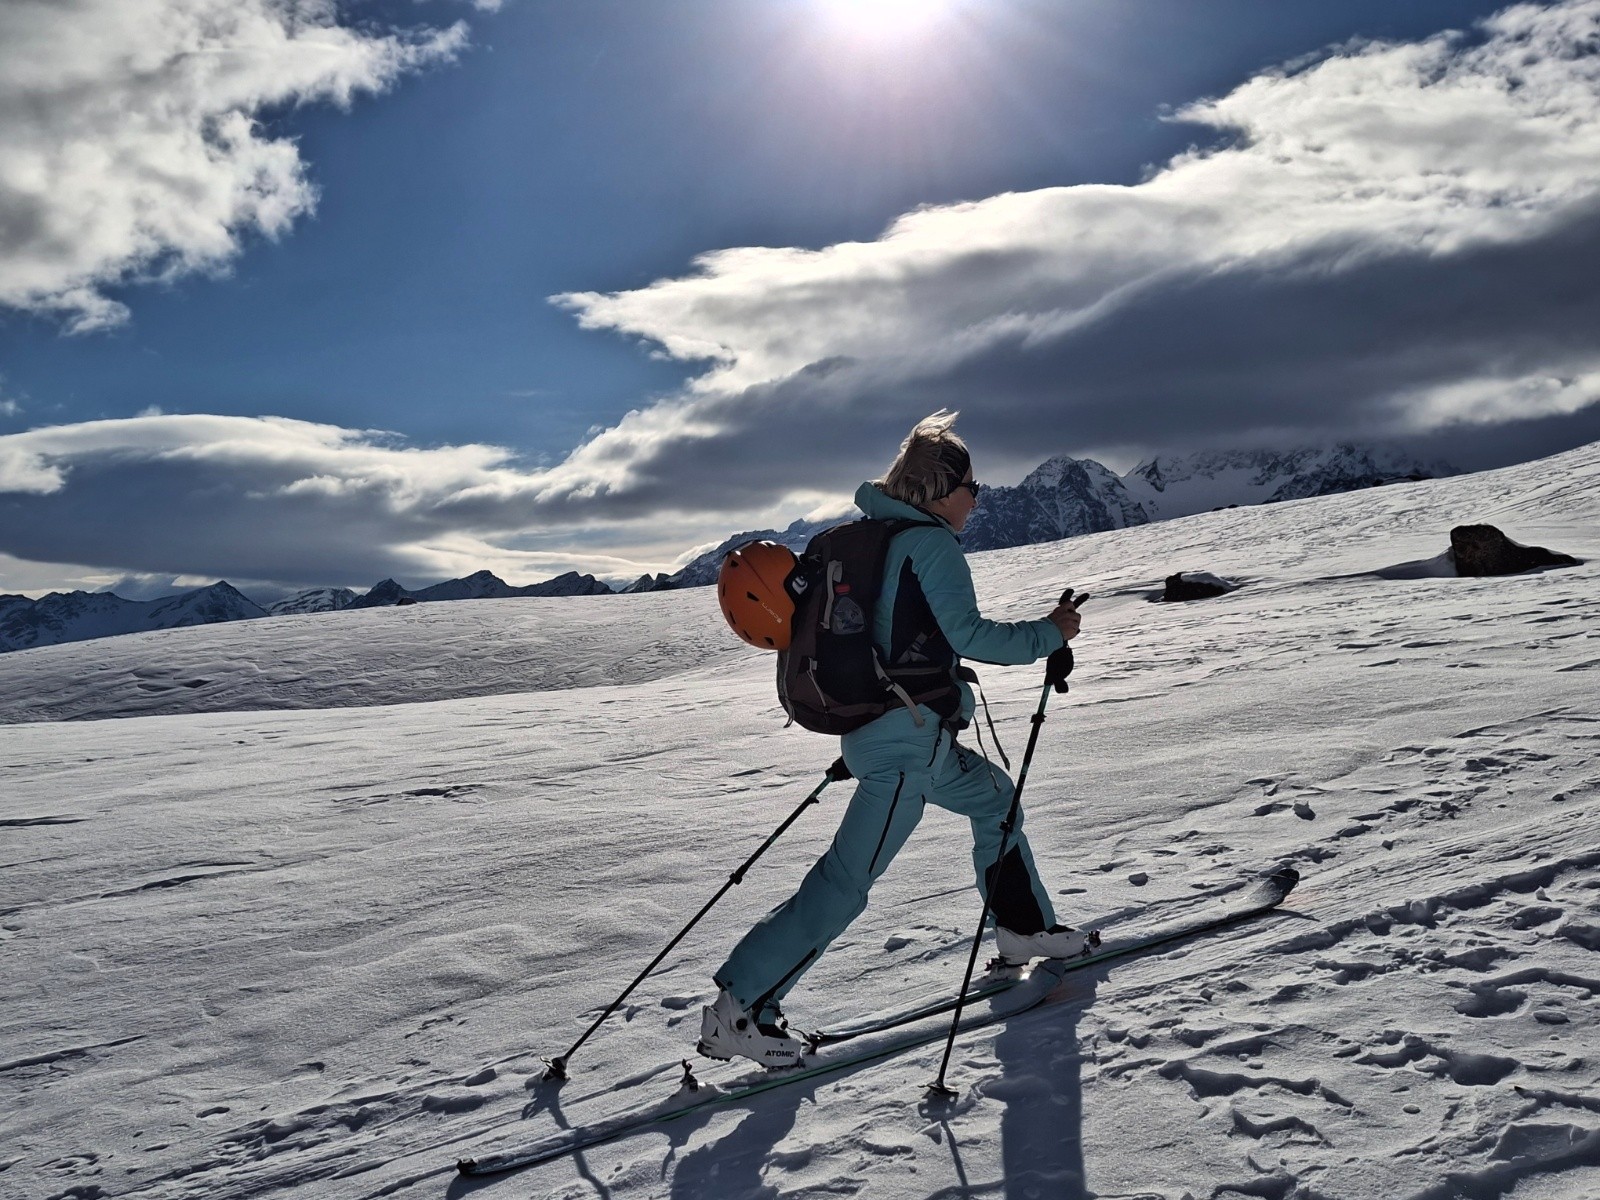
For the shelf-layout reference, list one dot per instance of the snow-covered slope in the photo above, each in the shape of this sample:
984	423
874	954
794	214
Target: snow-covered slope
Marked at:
79	616
316	954
363	657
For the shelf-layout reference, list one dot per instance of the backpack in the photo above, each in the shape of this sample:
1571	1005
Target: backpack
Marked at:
831	678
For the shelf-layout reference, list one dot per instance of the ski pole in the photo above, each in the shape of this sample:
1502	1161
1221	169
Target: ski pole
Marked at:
838	771
1056	669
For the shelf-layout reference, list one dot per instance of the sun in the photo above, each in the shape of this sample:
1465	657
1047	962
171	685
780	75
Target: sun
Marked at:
884	19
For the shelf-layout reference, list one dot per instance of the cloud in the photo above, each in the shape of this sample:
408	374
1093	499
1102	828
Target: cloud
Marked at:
1391	240
131	146
10	406
282	501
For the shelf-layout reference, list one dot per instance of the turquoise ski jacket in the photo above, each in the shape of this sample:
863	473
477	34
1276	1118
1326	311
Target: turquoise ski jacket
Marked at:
941	568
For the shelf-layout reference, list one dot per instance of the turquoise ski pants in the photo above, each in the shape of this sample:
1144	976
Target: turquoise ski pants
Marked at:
899	769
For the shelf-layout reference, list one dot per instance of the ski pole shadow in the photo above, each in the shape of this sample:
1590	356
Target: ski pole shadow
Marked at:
547	1104
730	1167
939	1113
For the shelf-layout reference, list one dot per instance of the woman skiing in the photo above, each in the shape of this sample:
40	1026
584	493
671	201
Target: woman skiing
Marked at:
905	760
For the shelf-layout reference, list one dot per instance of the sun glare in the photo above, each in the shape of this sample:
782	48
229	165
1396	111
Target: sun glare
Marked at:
882	19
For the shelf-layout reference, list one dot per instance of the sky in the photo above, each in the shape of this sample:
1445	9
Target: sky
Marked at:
300	293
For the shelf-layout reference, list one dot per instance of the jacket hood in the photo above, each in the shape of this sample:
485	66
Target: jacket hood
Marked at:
871	500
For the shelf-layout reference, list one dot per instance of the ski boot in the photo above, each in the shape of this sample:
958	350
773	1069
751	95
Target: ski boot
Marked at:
1059	941
727	1030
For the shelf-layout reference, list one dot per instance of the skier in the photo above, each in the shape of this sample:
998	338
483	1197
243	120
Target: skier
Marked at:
905	760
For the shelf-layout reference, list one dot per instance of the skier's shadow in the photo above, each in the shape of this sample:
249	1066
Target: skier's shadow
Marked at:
1040	1082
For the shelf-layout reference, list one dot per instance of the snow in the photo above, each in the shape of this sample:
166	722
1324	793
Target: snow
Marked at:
304	927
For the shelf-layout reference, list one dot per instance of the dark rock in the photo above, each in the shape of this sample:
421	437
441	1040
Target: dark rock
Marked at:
1484	550
1196	585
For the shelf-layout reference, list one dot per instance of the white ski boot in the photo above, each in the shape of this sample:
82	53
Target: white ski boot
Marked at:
727	1030
1059	941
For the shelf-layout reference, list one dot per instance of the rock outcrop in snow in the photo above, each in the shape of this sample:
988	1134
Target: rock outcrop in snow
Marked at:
1195	585
1485	550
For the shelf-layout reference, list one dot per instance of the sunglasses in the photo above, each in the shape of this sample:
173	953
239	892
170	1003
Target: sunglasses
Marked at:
973	486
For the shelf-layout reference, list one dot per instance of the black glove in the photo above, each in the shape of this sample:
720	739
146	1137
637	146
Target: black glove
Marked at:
1059	665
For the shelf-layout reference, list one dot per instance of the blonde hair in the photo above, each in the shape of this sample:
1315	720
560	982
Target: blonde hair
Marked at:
931	463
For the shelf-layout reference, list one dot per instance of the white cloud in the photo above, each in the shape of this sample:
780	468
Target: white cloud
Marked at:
130	146
10	406
26	472
271	499
1375	223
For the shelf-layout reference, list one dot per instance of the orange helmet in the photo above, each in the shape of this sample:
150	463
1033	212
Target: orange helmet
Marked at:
751	593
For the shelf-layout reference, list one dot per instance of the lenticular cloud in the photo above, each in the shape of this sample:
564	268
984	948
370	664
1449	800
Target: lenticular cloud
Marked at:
130	145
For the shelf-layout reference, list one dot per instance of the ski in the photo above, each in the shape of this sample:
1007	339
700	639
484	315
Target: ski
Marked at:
1248	898
876	1038
1246	895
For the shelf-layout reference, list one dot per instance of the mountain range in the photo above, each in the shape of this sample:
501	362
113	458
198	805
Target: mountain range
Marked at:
480	585
1067	497
1062	497
78	616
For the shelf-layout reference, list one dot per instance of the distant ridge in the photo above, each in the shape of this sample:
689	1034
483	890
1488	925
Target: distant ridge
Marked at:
1063	497
480	585
79	616
1068	497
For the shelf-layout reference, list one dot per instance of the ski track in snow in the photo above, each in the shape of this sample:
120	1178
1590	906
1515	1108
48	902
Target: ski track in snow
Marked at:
258	953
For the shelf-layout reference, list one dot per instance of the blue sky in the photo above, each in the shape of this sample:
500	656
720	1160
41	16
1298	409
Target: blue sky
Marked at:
398	274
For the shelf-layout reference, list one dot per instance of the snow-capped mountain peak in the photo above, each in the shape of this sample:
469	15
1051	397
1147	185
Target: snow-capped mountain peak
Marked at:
78	616
1181	485
313	600
1062	497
